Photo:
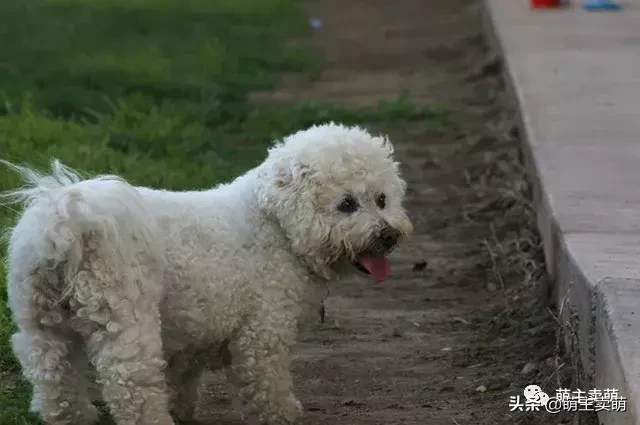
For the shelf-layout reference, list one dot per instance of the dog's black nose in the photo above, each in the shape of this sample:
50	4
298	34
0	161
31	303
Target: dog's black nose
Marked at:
389	237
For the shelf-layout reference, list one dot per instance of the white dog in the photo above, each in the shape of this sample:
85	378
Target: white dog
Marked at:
153	287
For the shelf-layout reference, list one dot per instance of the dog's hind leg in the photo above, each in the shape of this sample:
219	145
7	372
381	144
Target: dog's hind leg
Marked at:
125	342
51	353
100	237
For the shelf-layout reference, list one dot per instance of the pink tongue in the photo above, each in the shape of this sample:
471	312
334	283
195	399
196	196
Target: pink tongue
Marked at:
378	266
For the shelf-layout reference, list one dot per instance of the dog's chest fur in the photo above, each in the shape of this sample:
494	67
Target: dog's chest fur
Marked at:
214	281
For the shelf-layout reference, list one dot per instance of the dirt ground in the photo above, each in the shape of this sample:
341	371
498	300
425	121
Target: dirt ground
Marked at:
463	323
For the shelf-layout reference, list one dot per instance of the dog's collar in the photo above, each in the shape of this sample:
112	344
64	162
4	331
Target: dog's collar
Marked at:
322	309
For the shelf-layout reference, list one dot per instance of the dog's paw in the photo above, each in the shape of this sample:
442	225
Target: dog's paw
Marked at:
90	416
287	414
295	402
290	413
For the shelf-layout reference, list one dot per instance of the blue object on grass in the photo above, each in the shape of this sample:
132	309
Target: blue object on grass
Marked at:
315	23
601	5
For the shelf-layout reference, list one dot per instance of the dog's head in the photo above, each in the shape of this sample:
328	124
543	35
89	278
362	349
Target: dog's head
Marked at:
337	193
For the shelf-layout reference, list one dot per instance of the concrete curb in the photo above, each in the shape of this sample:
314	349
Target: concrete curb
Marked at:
616	353
593	261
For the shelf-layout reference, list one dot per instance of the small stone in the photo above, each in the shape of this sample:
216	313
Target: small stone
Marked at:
419	266
500	341
528	368
481	389
461	320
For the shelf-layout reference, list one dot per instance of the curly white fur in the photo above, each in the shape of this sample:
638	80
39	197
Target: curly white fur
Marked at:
153	287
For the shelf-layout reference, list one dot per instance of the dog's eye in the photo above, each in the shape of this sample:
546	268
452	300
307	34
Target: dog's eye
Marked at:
348	205
381	201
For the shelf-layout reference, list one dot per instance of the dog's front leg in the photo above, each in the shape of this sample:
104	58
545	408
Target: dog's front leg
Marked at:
260	373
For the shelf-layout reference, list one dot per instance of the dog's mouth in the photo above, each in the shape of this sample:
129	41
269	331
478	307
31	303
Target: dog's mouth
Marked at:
377	266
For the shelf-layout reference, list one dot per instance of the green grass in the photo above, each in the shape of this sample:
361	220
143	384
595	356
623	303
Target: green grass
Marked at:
153	90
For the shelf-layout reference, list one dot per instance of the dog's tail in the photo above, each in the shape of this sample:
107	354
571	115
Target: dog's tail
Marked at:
64	214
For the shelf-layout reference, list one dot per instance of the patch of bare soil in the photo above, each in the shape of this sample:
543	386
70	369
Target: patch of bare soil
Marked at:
463	324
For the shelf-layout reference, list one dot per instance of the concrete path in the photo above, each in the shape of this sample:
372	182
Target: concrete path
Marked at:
576	77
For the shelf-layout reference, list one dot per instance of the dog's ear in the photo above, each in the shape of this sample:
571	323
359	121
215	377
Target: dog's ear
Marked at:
388	147
291	175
